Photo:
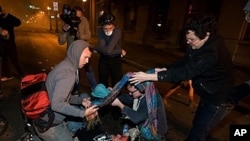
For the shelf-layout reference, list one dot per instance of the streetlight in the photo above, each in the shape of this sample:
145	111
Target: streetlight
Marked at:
50	24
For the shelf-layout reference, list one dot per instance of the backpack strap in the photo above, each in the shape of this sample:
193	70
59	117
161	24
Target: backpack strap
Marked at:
43	125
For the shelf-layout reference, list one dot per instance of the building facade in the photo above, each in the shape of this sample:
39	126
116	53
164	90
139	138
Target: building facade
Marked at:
159	22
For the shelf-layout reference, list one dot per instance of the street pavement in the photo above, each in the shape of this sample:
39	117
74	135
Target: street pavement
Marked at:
143	57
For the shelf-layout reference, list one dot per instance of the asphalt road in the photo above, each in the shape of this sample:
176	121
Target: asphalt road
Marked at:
39	51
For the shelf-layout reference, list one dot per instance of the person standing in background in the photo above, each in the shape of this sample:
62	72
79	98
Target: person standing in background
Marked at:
110	49
2	33
8	22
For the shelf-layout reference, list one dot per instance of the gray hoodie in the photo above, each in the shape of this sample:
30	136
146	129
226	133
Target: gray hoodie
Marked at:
60	82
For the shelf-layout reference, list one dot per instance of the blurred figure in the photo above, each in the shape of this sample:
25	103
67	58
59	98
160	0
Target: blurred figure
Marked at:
175	87
82	32
2	33
7	41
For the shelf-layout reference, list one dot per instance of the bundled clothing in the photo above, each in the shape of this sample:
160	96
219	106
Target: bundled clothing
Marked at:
150	111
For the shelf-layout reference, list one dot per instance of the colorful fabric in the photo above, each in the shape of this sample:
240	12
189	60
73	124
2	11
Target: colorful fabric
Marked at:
149	128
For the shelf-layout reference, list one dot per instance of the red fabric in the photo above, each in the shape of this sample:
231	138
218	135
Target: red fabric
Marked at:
34	97
35	104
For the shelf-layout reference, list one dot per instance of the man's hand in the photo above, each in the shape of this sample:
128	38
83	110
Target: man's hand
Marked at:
92	116
5	34
86	102
123	52
91	110
66	28
139	77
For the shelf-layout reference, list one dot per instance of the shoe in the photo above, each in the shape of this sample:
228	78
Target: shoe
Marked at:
6	78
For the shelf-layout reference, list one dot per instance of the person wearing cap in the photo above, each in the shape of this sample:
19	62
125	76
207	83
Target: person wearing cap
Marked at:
59	84
7	42
110	50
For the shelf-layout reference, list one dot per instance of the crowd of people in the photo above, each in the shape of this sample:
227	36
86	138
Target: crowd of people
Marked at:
206	69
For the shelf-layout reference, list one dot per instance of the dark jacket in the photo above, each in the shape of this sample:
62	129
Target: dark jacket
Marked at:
109	45
140	115
210	69
8	22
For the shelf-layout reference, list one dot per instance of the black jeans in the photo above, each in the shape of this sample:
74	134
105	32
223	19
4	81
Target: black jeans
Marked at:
110	67
207	117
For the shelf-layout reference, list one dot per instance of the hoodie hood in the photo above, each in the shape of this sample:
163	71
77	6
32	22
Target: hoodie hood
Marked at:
75	50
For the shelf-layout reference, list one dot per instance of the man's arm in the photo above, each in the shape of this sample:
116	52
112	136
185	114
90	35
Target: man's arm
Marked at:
62	37
110	48
83	30
14	20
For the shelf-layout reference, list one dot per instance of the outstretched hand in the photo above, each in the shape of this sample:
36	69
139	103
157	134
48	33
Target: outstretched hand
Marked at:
138	77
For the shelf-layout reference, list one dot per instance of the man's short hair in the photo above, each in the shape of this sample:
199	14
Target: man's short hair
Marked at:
78	8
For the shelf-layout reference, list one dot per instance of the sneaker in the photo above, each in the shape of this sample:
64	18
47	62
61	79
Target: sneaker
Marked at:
6	78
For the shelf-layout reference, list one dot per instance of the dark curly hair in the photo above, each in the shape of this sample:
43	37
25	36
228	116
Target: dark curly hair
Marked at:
106	19
202	25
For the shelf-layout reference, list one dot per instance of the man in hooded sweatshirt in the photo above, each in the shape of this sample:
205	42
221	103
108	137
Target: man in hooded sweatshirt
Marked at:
59	84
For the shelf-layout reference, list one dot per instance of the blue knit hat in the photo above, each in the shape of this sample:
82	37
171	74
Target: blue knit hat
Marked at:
100	91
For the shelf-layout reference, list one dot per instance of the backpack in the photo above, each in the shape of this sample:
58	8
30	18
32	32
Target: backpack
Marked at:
35	102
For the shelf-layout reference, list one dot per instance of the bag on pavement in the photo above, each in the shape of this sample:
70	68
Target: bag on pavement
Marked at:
35	101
